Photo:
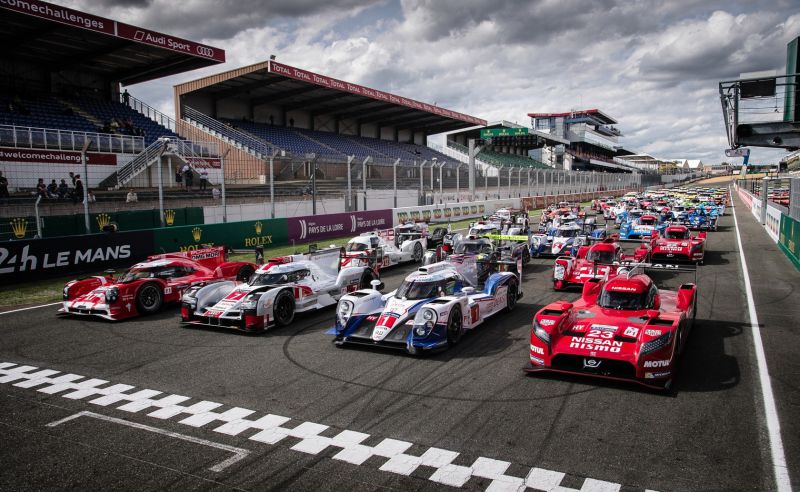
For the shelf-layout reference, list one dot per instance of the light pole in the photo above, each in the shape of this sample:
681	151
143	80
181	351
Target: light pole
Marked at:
529	181
510	170
364	178
498	179
421	178
441	194
458	182
433	164
519	181
272	182
222	169
394	180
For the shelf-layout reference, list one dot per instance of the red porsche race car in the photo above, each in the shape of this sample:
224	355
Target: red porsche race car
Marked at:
596	261
623	328
147	286
679	245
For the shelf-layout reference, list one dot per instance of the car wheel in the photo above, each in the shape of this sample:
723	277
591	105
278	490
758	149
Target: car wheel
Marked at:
149	298
244	273
511	296
455	327
526	256
284	308
417	256
366	278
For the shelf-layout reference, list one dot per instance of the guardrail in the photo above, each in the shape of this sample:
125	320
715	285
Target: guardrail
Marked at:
146	110
244	141
54	139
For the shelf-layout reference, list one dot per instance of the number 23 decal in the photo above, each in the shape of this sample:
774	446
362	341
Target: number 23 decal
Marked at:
601	334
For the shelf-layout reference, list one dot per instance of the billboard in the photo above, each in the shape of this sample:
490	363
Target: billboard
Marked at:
312	228
452	212
44	156
236	235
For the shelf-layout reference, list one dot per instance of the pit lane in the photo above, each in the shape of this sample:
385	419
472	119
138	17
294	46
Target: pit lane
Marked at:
473	399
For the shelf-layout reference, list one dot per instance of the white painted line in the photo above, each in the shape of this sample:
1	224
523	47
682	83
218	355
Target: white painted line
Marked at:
782	479
238	453
29	308
274	428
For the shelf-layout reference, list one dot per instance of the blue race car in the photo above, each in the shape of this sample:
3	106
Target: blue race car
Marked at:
641	227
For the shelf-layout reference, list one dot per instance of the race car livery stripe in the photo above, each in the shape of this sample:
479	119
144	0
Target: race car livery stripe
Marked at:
392	454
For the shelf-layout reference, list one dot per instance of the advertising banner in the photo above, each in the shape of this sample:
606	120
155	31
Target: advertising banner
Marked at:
452	212
235	235
44	156
33	259
312	228
789	239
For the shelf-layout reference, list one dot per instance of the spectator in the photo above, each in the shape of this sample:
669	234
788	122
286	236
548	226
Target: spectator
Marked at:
179	177
114	125
203	179
3	187
41	188
90	197
215	194
132	197
52	189
73	178
188	177
63	190
77	194
126	98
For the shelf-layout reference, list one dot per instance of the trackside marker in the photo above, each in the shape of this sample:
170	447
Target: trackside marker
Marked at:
29	308
782	480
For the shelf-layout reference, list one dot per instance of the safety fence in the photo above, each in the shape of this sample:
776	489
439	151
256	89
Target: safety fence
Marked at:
779	225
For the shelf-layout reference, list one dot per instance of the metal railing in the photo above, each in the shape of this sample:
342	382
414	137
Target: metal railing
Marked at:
238	138
54	139
148	111
140	163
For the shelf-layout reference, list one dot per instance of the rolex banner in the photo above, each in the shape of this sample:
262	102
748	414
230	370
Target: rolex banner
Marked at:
235	235
33	259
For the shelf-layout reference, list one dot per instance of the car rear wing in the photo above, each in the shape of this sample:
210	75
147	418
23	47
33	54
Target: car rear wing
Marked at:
210	257
632	268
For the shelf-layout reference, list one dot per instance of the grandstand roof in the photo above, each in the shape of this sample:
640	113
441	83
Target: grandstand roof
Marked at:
59	38
598	115
293	88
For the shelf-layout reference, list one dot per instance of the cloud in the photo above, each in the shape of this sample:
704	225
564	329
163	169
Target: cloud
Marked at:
652	65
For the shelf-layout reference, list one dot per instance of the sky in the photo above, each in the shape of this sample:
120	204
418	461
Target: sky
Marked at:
653	65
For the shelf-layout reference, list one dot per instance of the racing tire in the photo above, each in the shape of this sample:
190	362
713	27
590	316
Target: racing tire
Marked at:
149	298
244	273
417	255
366	278
283	308
455	327
526	256
511	296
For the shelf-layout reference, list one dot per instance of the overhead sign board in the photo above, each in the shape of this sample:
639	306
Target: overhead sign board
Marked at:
503	132
740	152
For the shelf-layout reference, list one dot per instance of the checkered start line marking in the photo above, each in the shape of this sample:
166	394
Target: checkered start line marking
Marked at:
271	429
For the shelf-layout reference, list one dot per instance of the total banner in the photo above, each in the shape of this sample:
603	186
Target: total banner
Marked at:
312	228
33	259
235	235
452	211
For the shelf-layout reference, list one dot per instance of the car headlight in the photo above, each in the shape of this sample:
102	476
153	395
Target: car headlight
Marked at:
655	344
190	300
540	333
65	293
112	295
429	315
424	329
251	301
344	311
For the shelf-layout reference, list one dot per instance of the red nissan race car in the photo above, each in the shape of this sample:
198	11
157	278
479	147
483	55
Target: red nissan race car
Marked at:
595	261
624	328
679	245
147	286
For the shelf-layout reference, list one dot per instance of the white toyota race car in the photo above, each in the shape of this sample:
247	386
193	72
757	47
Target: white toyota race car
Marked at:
432	307
387	247
275	292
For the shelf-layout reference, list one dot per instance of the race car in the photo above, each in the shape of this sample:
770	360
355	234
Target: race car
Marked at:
388	247
147	286
483	228
643	226
282	287
598	260
623	328
698	220
431	309
679	245
565	240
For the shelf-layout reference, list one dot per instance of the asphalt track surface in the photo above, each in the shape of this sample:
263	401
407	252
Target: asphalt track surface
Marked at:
473	400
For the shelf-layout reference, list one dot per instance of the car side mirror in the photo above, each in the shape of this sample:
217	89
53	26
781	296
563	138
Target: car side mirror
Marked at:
468	290
652	313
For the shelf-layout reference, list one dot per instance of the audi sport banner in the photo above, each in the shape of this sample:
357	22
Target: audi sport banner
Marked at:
33	259
312	228
43	156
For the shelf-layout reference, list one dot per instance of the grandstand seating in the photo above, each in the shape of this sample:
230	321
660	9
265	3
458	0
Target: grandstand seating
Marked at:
42	112
327	144
500	158
105	111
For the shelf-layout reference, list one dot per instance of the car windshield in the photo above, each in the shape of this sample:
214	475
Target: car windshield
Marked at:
472	248
138	274
647	221
268	278
677	234
355	247
600	256
625	301
418	289
567	233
